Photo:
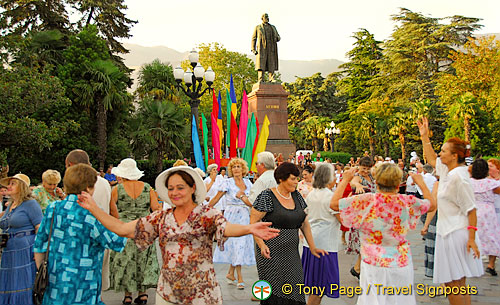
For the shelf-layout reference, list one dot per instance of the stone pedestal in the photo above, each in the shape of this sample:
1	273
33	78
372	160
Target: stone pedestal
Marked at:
271	99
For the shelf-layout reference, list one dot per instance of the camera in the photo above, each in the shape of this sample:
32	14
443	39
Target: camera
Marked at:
4	237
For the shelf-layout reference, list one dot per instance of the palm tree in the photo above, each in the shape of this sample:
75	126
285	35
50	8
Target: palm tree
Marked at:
159	130
104	86
464	108
156	80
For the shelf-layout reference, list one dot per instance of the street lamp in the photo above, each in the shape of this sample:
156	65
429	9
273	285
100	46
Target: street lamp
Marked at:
193	85
332	132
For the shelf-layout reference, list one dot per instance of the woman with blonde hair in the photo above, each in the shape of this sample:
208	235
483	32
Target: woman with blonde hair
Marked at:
133	270
384	219
237	251
48	191
19	223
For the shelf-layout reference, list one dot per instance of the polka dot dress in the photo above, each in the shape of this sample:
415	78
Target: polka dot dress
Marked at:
284	267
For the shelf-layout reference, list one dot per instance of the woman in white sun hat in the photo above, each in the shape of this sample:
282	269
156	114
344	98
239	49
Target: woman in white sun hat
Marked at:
185	233
133	270
20	222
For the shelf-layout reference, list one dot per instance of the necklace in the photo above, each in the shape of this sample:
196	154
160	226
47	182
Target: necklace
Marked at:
278	191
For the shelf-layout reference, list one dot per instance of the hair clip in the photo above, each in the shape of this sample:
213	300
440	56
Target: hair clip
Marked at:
467	146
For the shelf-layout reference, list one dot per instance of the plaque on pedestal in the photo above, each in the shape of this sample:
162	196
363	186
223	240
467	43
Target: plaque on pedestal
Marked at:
271	99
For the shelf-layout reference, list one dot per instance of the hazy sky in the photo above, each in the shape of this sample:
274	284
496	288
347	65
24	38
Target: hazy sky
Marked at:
314	29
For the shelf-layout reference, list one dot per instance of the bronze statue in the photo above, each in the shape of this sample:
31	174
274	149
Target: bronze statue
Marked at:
266	38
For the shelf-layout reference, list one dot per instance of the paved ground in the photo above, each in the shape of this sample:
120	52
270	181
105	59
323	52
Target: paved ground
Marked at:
487	286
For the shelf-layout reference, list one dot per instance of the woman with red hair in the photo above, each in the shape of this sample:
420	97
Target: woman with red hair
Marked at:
456	254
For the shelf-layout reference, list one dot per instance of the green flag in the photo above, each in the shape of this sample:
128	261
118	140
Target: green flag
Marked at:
205	138
228	116
250	140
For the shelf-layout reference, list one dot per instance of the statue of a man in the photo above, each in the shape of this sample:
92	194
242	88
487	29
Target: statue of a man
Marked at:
265	45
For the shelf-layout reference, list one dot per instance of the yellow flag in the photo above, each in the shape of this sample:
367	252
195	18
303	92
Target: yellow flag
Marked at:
261	144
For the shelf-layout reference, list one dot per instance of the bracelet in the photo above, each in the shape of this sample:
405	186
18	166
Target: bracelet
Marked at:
472	227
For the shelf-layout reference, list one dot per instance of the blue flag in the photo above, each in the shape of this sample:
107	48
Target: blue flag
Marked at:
198	157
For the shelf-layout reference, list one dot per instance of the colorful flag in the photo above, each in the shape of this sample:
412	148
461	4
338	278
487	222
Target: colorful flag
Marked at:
234	108
219	121
243	122
228	121
256	137
250	136
204	128
234	132
198	157
262	143
215	105
216	140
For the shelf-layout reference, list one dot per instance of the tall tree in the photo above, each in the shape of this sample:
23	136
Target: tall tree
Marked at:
158	131
156	80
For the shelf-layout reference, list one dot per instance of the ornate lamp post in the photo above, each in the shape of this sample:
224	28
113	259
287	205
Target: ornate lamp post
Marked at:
193	85
332	132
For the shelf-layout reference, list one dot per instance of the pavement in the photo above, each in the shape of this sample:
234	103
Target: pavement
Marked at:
488	290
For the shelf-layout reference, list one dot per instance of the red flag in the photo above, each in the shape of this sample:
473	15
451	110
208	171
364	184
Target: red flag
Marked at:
215	140
256	137
234	135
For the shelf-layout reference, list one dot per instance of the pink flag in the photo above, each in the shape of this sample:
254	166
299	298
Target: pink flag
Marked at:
216	141
243	121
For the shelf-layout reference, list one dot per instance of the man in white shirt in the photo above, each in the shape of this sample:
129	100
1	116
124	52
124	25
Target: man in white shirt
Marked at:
102	196
265	167
411	187
429	178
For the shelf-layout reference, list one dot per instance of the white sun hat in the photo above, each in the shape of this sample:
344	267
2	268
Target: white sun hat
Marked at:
162	190
127	169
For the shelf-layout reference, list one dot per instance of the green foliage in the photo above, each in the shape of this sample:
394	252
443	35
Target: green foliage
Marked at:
34	119
158	132
149	168
341	157
156	80
312	105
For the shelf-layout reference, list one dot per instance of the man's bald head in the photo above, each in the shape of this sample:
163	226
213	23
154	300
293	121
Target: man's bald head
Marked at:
77	156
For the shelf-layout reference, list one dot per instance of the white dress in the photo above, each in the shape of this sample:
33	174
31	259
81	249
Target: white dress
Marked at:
237	250
455	200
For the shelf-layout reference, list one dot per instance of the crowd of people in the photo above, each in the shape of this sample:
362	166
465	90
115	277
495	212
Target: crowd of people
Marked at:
290	219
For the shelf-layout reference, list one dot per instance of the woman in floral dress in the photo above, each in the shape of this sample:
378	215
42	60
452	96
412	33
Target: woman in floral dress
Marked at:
48	192
305	185
384	219
237	251
487	225
186	233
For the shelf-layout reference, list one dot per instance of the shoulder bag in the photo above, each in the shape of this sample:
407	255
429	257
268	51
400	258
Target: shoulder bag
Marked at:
42	275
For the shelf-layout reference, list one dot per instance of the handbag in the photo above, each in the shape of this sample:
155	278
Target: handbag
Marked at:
42	275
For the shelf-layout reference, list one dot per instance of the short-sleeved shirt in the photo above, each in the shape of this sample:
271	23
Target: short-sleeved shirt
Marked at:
325	226
229	186
483	189
455	198
76	252
23	218
187	274
43	197
383	222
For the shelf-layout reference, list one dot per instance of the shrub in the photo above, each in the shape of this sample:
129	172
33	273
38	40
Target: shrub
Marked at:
341	157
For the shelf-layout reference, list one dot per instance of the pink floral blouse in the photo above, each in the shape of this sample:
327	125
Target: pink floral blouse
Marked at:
187	275
383	222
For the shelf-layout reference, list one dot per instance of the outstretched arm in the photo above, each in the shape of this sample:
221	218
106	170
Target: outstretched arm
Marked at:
430	154
124	229
216	198
259	229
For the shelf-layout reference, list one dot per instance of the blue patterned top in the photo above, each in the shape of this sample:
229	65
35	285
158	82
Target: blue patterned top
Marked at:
76	253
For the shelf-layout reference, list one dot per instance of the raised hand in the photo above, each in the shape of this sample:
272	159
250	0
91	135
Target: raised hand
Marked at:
262	230
423	126
348	175
86	201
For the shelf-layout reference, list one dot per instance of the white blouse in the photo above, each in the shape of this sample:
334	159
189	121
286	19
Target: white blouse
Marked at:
325	226
455	198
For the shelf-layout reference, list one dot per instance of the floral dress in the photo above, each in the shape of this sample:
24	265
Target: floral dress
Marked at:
383	222
237	250
488	228
304	188
187	275
43	197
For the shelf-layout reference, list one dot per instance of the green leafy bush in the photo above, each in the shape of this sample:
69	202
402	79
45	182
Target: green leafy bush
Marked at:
341	157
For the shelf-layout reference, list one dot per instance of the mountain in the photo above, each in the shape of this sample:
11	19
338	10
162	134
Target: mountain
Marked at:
289	69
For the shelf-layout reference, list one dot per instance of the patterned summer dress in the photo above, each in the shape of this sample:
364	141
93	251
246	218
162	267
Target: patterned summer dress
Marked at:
284	266
133	270
488	228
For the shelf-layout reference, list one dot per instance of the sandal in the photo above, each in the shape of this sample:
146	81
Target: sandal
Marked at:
354	273
140	301
124	302
240	286
491	271
230	281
